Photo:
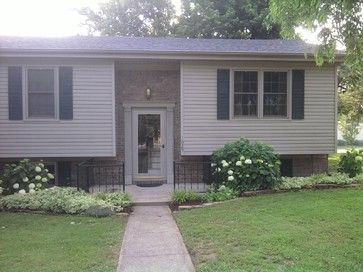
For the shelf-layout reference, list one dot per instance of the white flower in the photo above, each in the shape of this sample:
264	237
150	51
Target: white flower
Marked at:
22	191
238	163
358	158
39	185
31	186
50	176
230	172
38	177
230	178
225	164
25	179
218	169
222	188
16	185
41	165
247	176
1	190
31	191
38	169
242	158
213	164
46	170
44	179
248	161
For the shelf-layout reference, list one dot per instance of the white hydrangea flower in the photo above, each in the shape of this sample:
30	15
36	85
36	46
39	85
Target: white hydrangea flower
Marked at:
222	187
358	158
213	164
50	176
1	190
247	176
218	169
25	179
225	164
31	186
38	177
230	178
38	169
41	165
44	179
22	191
16	185
238	163
31	191
248	161
230	172
242	158
39	185
46	170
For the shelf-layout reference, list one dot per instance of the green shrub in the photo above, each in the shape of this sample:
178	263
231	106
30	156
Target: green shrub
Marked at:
118	200
24	177
243	166
351	162
311	181
220	193
183	197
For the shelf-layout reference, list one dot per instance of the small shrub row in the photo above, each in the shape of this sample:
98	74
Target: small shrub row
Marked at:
65	200
309	182
118	200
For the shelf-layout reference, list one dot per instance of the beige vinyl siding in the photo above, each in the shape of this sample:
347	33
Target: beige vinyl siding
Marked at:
89	134
202	133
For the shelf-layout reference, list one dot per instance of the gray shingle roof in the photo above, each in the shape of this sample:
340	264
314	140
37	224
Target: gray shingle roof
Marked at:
156	45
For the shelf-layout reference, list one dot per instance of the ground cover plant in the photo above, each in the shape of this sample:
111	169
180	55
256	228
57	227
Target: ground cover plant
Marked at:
59	243
318	230
65	200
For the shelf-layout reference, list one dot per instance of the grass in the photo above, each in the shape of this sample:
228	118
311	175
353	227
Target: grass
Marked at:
35	242
298	231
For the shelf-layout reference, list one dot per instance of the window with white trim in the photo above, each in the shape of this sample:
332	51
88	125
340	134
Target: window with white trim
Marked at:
274	93
245	93
41	92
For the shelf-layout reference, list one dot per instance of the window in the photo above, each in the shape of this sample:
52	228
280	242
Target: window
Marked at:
245	93
41	93
275	94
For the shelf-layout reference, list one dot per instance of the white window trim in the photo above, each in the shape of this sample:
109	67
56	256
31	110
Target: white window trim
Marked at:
26	116
260	94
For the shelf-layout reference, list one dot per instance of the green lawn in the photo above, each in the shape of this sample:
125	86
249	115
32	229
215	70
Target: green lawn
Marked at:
298	231
31	242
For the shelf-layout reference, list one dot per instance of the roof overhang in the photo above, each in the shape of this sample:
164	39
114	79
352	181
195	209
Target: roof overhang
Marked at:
164	55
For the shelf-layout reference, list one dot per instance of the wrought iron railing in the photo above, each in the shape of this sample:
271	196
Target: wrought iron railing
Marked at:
101	177
193	175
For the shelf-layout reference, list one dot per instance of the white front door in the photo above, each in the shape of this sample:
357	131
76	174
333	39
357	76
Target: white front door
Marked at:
148	143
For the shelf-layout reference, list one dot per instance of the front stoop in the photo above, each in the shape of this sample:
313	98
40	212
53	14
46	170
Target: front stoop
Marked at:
146	196
152	243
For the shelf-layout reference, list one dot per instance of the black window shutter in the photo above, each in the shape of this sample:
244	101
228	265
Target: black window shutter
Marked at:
298	96
64	173
223	94
65	93
15	93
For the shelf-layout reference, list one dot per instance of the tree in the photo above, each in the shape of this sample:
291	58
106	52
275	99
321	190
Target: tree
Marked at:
131	18
340	22
235	19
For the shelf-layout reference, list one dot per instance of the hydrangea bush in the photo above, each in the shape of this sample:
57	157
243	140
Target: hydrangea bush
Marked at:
351	162
244	166
24	177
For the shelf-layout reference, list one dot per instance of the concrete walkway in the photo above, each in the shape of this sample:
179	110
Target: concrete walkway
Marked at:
152	243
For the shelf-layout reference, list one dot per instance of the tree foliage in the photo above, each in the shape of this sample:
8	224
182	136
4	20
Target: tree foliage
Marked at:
131	18
340	22
235	19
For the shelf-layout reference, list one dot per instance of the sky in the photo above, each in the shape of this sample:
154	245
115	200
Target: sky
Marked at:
57	18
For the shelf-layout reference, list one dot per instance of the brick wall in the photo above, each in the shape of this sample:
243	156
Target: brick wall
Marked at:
305	165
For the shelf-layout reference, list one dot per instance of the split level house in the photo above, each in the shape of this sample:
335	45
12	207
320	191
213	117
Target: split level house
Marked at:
147	102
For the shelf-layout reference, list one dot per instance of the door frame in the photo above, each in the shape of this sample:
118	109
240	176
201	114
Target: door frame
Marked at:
168	142
135	151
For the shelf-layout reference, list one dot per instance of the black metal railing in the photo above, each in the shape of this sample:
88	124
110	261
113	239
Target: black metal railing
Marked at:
192	175
101	177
